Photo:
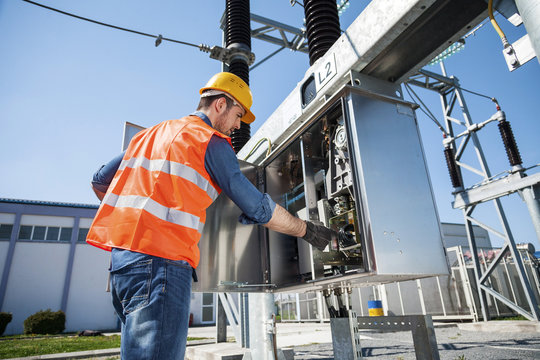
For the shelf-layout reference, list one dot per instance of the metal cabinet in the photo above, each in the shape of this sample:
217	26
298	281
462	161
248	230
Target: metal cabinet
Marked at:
358	166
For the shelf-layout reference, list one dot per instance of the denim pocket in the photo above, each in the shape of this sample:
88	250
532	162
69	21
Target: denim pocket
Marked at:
132	285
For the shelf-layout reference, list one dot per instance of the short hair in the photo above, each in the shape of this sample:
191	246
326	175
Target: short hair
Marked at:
206	101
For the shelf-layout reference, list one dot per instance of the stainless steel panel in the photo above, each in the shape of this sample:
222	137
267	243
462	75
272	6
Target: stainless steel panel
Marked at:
401	222
283	179
231	253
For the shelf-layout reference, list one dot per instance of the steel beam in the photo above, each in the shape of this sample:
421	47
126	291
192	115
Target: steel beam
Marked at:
495	189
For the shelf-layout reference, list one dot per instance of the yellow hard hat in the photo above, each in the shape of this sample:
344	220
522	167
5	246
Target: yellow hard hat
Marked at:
234	86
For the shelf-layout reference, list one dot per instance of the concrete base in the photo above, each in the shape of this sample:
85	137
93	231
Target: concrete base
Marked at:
522	326
223	351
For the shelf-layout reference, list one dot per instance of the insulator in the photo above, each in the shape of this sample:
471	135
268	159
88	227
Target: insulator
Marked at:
204	48
237	26
322	26
452	167
241	69
238	31
509	141
240	137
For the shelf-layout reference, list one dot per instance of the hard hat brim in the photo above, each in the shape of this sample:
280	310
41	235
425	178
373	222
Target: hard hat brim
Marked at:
248	118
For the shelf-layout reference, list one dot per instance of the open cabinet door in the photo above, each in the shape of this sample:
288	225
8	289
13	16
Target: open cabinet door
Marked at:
233	255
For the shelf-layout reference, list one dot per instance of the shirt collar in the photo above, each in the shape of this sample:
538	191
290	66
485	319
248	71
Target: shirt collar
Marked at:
203	117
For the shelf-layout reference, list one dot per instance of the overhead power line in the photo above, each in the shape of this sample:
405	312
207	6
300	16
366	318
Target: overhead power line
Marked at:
158	38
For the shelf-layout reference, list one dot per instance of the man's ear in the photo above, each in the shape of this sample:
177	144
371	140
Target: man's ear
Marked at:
220	105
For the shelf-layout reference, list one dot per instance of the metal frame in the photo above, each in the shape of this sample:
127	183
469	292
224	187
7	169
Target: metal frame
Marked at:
421	326
490	189
267	31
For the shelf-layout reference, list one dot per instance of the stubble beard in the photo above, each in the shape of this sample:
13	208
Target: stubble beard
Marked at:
221	124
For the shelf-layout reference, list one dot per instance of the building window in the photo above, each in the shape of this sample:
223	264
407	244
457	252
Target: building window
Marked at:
52	233
39	233
82	234
65	234
5	231
25	233
208	307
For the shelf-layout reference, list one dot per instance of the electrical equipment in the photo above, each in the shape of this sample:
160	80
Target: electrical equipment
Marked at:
356	165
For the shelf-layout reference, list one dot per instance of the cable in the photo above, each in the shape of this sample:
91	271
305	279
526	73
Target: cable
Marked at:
481	95
422	106
158	38
258	144
495	25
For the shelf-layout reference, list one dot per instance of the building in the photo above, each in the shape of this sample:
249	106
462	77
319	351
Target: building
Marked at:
46	264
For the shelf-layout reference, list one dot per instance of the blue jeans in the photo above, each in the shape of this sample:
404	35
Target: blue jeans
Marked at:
151	296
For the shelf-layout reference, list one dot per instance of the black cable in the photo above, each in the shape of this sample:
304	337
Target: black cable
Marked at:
109	25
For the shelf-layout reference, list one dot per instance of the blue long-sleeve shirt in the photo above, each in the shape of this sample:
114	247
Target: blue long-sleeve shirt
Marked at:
222	165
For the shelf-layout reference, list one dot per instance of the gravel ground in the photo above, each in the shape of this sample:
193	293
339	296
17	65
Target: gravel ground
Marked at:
453	344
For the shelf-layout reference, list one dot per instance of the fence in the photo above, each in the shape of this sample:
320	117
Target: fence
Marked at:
450	297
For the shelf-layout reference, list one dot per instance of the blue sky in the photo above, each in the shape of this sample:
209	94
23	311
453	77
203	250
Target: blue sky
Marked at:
68	86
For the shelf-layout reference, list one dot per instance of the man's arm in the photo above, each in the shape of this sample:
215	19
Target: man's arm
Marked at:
104	176
282	221
100	194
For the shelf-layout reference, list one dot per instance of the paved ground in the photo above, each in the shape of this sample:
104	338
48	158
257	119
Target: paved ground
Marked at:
453	344
486	341
503	340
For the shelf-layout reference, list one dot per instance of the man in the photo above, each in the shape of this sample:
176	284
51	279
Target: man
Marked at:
153	209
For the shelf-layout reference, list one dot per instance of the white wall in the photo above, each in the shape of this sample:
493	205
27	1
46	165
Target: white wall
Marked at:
36	281
7	218
89	306
44	220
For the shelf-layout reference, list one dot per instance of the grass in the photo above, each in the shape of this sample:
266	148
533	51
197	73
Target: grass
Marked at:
31	346
24	345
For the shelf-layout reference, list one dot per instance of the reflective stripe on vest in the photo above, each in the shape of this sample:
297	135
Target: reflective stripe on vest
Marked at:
174	216
172	168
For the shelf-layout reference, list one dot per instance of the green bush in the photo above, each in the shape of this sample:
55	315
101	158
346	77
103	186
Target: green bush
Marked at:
5	318
45	322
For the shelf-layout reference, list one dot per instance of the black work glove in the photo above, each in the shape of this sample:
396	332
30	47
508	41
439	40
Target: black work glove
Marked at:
346	238
319	235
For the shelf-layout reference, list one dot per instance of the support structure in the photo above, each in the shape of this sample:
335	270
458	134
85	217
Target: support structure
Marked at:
263	329
421	326
490	188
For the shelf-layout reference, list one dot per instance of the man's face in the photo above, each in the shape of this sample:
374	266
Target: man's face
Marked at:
228	120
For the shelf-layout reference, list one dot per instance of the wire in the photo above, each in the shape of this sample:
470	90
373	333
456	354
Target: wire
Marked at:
258	144
495	25
482	95
422	106
159	37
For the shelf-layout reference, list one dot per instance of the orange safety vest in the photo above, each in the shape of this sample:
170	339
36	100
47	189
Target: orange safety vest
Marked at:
156	204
